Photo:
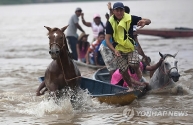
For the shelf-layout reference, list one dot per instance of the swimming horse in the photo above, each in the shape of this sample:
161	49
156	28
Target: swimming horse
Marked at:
62	71
167	74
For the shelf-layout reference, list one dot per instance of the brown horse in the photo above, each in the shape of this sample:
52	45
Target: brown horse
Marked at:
62	71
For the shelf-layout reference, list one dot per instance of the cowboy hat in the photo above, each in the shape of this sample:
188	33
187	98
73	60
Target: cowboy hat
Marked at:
82	35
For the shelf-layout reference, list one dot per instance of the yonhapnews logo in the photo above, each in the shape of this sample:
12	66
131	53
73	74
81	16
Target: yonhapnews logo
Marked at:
130	113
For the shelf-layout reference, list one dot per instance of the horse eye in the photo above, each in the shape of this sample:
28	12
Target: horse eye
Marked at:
166	63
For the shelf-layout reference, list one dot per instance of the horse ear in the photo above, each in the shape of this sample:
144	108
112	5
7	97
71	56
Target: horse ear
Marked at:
161	54
175	54
48	28
64	28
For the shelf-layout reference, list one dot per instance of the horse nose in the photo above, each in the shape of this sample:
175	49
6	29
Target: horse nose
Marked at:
175	76
56	51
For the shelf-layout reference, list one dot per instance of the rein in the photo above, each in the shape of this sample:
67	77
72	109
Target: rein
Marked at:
61	47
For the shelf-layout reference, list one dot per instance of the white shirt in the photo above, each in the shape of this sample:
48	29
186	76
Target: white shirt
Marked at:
96	29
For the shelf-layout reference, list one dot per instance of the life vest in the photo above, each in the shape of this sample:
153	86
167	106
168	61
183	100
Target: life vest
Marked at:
119	29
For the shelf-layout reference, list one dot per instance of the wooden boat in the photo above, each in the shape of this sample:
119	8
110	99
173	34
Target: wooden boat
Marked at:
102	75
87	65
108	93
168	33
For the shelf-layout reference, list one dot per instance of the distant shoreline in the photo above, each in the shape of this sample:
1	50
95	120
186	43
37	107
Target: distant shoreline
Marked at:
14	2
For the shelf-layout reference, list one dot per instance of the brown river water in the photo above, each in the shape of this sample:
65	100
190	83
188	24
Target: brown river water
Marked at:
24	57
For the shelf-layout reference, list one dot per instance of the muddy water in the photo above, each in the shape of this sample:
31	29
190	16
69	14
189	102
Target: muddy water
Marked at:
24	57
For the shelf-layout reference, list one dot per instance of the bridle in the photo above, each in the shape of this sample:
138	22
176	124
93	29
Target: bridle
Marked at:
167	71
161	68
61	47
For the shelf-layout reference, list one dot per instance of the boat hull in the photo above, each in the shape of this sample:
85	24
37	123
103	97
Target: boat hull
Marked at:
167	33
108	93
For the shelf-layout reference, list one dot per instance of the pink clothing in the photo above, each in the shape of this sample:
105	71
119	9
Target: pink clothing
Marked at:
116	77
82	53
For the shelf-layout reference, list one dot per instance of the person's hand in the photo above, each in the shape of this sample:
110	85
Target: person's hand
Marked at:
146	60
82	14
141	23
160	61
117	53
109	5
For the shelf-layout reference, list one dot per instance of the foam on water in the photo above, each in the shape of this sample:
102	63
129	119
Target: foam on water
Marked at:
62	106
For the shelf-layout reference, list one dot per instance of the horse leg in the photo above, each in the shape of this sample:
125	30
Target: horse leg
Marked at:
41	86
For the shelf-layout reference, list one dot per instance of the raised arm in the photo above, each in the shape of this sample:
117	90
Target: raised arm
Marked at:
88	24
110	8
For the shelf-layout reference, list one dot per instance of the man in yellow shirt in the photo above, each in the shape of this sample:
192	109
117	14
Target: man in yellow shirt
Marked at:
120	28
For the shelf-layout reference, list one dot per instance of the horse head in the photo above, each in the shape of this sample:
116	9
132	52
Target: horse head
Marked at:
57	41
169	66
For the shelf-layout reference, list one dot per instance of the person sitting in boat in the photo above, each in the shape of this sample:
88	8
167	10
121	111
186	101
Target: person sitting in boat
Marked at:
99	61
117	78
108	57
82	47
90	52
97	25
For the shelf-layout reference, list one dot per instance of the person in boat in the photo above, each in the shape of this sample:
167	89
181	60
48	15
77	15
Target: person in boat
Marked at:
124	47
90	52
145	58
99	61
97	25
107	56
117	78
82	47
71	34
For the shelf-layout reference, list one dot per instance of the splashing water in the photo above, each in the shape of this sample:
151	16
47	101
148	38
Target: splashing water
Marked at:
65	105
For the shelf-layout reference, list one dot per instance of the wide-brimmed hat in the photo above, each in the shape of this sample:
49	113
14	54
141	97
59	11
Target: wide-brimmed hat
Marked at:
82	35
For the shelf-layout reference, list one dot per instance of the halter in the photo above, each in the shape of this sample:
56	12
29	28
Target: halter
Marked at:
61	47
